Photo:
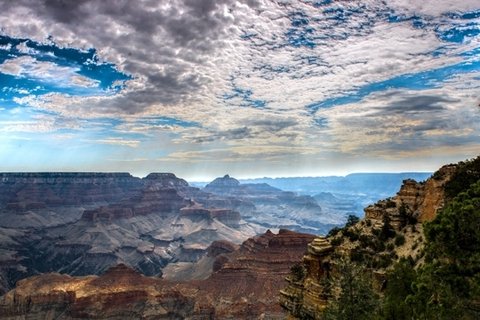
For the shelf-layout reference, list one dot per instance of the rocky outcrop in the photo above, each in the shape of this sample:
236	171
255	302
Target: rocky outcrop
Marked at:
306	295
228	217
243	287
246	279
166	180
222	184
153	199
119	293
221	247
418	201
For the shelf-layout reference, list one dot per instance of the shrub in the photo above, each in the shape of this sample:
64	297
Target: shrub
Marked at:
390	247
298	272
357	298
351	221
390	204
387	231
382	261
357	255
415	245
336	241
365	241
378	246
399	240
334	231
353	235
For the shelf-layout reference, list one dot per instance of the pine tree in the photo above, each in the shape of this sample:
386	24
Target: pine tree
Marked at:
357	299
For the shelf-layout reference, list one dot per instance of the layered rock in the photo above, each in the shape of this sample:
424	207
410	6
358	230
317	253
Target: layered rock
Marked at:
166	180
415	200
222	184
229	217
119	293
153	199
305	296
243	287
246	278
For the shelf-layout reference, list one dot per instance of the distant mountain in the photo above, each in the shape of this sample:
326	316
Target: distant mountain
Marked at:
274	208
379	184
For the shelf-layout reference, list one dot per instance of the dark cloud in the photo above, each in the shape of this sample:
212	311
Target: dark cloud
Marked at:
419	142
64	11
416	104
273	125
226	135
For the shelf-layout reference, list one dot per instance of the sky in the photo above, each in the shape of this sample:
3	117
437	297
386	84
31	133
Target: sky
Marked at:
252	88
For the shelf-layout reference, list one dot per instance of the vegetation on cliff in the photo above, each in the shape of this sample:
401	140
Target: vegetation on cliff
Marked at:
357	297
414	256
447	285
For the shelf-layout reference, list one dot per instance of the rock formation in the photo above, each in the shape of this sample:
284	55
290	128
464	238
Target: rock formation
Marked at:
305	295
119	293
419	201
222	185
242	287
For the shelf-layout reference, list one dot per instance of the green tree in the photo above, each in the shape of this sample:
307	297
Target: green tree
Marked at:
387	231
357	299
466	174
297	272
399	287
448	286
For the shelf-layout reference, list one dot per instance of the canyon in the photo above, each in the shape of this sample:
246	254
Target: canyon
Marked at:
243	285
85	223
104	245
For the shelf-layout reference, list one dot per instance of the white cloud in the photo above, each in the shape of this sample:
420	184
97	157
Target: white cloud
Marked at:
118	141
43	71
434	7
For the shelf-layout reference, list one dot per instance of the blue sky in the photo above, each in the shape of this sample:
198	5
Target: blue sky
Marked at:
252	88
